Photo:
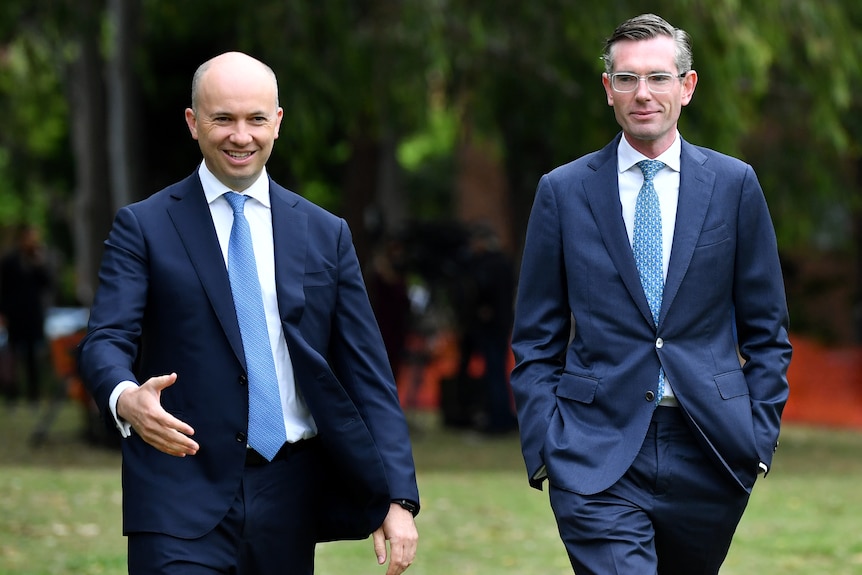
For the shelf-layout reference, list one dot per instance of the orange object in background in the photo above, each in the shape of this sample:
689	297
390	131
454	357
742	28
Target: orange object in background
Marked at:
430	360
65	366
825	384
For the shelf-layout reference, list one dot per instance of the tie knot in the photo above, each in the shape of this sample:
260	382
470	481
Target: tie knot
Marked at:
236	201
650	168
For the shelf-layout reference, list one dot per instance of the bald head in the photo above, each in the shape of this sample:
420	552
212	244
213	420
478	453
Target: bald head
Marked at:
236	65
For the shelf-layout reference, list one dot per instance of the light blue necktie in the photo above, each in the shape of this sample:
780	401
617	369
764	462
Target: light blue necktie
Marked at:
647	248
266	432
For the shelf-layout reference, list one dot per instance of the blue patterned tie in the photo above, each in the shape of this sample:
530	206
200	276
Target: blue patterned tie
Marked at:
266	432
647	244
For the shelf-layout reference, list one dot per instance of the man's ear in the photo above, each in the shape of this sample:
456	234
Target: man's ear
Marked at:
606	82
688	85
192	123
279	116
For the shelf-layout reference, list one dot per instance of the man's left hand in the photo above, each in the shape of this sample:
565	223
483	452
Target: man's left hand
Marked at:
399	529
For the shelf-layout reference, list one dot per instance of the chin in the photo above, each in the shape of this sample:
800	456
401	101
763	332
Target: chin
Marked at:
645	135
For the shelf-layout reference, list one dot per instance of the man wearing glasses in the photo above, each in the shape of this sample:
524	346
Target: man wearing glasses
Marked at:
650	268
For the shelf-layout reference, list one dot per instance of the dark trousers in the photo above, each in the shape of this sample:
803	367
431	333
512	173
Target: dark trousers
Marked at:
674	512
498	400
23	370
268	529
495	401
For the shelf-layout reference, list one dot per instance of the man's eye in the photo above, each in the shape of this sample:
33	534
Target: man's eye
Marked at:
660	80
626	80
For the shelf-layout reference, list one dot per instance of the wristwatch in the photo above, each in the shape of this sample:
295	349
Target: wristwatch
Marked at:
408	505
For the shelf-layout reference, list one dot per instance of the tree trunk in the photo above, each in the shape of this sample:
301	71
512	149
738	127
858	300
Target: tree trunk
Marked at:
391	197
360	188
857	244
124	169
92	209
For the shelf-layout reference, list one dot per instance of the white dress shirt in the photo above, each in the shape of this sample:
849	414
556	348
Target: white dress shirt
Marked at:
666	184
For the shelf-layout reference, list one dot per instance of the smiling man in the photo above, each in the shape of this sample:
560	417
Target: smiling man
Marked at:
649	268
232	344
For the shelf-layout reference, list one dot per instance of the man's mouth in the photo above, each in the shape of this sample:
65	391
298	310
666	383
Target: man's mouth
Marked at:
239	155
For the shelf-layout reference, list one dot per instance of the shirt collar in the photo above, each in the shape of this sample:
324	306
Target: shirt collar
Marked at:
213	188
627	156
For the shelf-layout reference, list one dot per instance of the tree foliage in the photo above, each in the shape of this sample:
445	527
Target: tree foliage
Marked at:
779	85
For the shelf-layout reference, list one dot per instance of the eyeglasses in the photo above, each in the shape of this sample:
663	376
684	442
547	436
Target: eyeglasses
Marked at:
658	83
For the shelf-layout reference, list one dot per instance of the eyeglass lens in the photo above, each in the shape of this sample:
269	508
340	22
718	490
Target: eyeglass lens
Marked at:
658	83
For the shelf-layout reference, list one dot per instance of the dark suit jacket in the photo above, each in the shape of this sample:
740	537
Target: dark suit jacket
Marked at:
584	406
164	305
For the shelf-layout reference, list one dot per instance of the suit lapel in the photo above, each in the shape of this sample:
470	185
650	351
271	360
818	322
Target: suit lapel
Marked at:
191	217
290	237
602	190
696	184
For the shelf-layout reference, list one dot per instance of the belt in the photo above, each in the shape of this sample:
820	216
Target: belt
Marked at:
668	401
255	459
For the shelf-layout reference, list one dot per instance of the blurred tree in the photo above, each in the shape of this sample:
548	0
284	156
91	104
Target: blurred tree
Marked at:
778	85
351	80
529	74
353	83
122	100
381	97
36	170
81	30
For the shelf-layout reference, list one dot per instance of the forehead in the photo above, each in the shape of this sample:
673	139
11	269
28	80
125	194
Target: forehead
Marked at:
238	91
645	56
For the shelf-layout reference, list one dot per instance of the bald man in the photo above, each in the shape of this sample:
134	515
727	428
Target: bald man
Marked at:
169	359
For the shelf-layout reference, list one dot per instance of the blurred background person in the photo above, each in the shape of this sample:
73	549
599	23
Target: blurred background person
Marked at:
388	292
485	315
25	284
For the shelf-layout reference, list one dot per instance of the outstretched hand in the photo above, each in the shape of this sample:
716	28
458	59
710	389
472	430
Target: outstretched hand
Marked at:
142	408
399	529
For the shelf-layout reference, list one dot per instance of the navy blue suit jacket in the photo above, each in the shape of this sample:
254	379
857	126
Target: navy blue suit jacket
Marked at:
164	305
586	348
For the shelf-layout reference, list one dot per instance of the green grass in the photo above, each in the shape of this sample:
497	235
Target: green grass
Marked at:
60	508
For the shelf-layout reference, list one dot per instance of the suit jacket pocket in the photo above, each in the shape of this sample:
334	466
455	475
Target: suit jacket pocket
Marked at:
319	278
731	384
712	236
578	388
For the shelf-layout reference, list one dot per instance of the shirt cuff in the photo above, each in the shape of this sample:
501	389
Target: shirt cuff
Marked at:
764	469
541	474
124	426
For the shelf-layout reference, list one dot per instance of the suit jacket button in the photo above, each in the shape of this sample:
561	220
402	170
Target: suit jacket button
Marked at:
649	396
240	437
243	380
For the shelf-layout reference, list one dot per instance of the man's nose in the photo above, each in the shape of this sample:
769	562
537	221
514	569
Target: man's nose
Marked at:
643	90
241	135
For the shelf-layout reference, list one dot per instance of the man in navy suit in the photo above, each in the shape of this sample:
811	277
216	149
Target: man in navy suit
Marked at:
650	425
164	358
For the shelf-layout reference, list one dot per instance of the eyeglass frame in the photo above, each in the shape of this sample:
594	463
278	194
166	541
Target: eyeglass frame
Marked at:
645	78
